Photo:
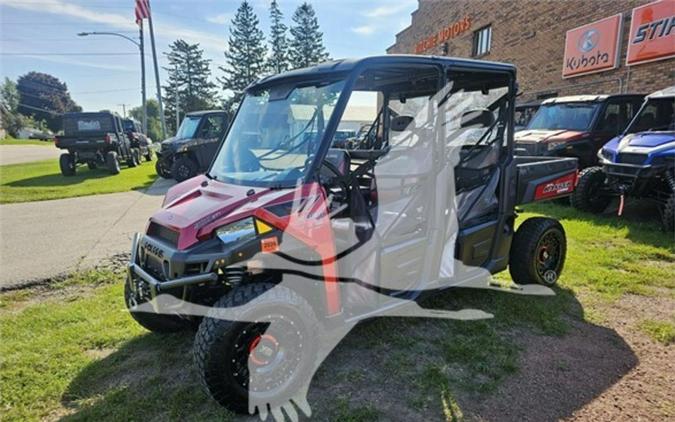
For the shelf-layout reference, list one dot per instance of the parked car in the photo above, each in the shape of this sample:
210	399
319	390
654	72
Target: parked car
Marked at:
137	138
639	163
577	126
210	241
95	139
190	152
524	113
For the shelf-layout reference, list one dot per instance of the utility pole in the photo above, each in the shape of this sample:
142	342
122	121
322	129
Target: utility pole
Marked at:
124	110
154	59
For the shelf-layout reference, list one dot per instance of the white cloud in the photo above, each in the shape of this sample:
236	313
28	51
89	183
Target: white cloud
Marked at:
364	30
221	19
389	9
119	21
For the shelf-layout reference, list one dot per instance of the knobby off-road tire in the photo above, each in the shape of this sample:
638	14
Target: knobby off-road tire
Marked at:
668	214
138	157
538	252
184	168
148	156
67	165
92	165
586	196
158	323
131	161
111	162
161	170
220	345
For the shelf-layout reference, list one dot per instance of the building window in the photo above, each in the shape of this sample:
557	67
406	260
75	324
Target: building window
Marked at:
482	39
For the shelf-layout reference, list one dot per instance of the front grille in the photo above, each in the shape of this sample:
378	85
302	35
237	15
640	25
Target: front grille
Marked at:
621	170
163	233
631	158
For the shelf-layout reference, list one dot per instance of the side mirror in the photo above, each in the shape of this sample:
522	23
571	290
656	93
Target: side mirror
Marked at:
481	117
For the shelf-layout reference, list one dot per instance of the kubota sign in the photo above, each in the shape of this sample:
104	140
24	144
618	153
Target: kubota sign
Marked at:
652	33
593	47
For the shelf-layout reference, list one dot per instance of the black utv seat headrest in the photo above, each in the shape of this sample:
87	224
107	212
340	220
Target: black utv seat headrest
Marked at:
340	159
480	117
401	123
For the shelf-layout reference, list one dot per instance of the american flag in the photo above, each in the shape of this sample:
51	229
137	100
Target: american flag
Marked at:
142	10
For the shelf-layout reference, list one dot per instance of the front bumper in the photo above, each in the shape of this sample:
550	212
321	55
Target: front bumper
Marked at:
155	283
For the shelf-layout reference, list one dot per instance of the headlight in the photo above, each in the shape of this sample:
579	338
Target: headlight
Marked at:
553	145
237	231
605	155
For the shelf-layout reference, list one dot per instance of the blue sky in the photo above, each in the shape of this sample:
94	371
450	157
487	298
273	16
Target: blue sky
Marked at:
34	34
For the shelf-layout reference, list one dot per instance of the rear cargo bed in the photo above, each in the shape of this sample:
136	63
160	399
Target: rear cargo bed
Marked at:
543	178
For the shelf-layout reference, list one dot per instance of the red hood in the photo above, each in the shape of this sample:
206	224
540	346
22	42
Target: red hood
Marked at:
540	135
194	208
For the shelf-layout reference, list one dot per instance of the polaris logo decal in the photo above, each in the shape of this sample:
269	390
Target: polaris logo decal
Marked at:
559	186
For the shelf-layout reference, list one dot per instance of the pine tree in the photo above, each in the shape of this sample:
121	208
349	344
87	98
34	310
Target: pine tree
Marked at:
189	75
245	55
278	60
307	47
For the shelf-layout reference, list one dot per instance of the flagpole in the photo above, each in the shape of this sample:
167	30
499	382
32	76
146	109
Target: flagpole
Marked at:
143	95
154	59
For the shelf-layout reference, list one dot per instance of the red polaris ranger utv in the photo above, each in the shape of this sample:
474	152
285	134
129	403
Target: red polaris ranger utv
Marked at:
287	240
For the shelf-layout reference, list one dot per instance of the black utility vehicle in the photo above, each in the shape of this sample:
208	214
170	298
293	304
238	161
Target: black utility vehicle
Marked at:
192	149
137	138
577	126
95	139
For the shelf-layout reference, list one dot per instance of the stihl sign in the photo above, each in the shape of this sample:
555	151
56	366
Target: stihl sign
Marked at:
593	47
652	33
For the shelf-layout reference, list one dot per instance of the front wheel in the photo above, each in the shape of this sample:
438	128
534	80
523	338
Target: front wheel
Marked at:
538	252
111	162
184	168
67	165
263	354
588	195
668	215
162	169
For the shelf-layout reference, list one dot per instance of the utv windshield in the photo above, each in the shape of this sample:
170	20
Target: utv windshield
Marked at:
188	127
657	114
567	116
276	134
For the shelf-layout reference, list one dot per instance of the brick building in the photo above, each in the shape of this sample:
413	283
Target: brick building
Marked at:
532	35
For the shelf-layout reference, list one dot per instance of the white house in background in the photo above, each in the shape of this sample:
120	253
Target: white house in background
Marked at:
32	133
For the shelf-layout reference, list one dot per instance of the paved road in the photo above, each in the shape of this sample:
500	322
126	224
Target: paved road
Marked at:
44	239
14	154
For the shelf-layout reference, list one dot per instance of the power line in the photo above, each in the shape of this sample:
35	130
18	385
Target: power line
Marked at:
68	54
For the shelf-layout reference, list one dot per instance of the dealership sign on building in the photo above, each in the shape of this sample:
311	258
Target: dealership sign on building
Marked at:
593	47
652	33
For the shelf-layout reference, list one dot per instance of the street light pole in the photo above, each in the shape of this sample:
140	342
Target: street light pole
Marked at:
140	48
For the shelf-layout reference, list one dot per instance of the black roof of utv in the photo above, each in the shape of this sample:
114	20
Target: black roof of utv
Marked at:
345	66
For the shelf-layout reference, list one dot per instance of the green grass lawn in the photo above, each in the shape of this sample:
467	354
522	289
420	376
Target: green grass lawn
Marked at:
42	180
72	351
13	141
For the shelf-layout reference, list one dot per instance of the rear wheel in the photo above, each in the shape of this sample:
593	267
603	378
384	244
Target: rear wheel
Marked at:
538	252
148	155
158	323
246	363
131	160
588	195
138	157
67	164
92	165
184	168
111	162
